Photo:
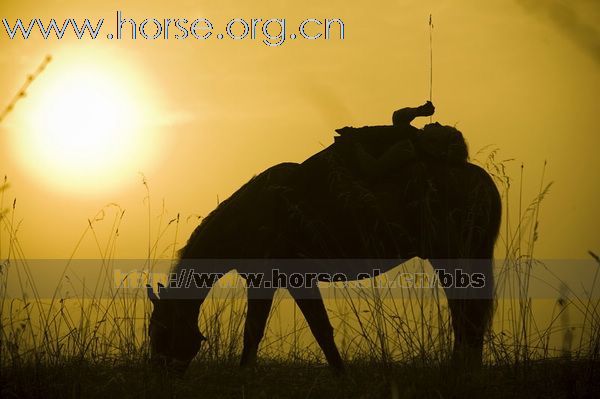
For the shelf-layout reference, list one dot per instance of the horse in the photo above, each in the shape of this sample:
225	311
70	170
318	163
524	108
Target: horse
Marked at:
324	216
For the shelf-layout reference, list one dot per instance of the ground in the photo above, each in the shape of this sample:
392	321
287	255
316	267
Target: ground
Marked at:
271	379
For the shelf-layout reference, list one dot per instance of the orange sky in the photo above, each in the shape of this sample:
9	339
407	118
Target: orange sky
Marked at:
519	75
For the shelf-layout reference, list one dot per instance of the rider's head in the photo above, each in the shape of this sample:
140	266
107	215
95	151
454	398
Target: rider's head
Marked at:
445	142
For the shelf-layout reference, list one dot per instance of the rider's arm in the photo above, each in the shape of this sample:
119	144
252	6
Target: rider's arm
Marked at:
405	116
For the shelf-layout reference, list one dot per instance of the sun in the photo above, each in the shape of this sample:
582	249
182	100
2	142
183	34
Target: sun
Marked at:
85	128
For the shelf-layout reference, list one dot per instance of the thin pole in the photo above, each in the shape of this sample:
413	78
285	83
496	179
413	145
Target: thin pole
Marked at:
430	63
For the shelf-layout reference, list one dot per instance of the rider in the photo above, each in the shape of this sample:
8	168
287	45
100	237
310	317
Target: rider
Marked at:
376	149
371	151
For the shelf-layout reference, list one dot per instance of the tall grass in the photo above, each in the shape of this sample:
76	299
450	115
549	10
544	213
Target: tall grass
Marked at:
97	322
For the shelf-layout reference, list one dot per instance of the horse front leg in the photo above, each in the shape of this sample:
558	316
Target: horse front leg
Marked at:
259	307
311	305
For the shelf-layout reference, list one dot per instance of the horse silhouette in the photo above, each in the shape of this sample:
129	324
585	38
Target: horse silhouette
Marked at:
378	194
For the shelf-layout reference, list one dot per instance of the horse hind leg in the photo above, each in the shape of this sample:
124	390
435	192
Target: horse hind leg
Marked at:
471	307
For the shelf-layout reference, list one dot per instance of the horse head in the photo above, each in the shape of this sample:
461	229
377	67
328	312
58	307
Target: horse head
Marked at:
175	338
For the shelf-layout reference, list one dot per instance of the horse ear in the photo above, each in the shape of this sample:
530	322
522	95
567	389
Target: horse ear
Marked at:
151	295
162	290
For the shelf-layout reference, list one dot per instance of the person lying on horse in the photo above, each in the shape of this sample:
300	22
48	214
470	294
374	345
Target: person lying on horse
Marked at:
374	150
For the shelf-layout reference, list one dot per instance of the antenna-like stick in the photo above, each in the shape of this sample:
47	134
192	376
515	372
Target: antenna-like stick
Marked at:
430	63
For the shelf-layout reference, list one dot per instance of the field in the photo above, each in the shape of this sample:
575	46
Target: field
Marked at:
287	379
90	339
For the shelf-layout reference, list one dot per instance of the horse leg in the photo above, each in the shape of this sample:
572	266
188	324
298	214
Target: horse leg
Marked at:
259	306
471	308
311	305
